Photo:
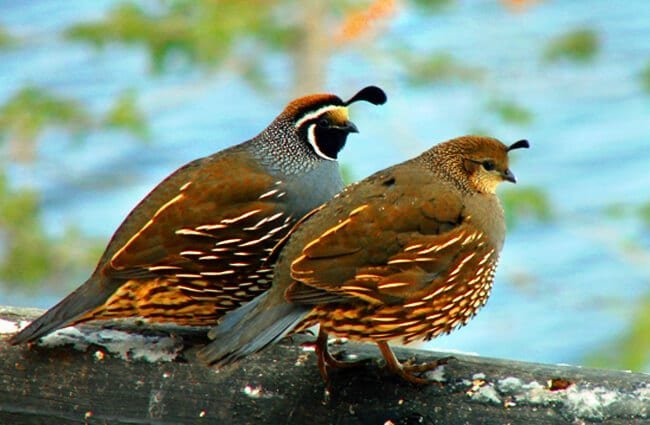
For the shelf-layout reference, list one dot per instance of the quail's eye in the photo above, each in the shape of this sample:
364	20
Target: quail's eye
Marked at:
488	165
323	122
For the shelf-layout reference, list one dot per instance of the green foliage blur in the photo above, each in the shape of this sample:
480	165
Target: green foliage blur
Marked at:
125	115
511	112
30	256
437	68
631	351
22	229
25	115
579	45
6	40
645	77
526	202
203	33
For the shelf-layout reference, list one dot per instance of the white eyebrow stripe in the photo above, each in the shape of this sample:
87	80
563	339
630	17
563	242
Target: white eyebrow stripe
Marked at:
317	112
311	137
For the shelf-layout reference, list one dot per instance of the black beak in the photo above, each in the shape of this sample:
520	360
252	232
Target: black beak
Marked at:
508	176
348	127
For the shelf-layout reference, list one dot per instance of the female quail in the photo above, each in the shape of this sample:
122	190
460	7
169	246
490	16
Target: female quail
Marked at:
195	247
406	254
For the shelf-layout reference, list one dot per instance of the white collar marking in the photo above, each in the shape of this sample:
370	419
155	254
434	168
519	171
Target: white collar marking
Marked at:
315	114
311	136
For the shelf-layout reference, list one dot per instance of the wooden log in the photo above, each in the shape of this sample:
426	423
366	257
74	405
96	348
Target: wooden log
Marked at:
94	377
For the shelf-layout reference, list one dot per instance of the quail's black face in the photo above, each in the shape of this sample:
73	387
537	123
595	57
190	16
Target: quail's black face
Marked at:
328	132
330	136
325	125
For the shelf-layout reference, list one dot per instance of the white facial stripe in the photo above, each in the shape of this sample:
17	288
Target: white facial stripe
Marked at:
316	113
311	136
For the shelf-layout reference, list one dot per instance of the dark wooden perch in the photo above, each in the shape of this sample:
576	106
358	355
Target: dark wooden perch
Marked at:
59	384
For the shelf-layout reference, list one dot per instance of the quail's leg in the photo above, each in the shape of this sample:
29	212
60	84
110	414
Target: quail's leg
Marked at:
407	372
326	359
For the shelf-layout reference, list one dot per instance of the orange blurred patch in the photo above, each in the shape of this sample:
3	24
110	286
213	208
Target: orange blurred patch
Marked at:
519	5
360	22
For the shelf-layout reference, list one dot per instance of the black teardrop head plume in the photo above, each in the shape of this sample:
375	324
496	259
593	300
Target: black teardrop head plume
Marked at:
372	94
519	144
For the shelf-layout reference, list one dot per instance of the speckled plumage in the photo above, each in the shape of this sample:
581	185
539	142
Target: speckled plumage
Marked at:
196	246
406	254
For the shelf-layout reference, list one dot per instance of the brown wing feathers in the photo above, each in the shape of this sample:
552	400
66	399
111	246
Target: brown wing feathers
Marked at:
165	265
395	262
209	265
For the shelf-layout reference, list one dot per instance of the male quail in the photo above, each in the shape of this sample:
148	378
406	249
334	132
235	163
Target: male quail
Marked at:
406	254
195	247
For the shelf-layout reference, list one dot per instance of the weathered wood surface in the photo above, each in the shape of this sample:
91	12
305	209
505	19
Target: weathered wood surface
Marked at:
62	385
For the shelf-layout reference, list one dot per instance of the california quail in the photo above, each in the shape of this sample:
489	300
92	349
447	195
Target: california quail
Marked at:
195	247
406	254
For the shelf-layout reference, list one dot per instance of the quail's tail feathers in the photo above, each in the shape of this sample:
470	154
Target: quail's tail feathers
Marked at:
249	329
85	298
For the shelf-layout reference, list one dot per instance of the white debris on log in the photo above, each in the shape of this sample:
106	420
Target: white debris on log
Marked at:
256	391
8	326
581	402
252	391
125	345
437	374
486	394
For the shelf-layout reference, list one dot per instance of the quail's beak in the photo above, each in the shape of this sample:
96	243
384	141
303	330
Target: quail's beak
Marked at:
348	127
508	176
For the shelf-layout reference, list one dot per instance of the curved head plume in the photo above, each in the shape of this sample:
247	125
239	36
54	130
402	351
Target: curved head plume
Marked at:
523	143
370	94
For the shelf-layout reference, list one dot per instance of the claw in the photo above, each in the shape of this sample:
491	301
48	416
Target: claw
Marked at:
408	370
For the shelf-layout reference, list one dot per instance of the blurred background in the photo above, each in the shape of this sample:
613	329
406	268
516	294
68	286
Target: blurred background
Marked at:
101	100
